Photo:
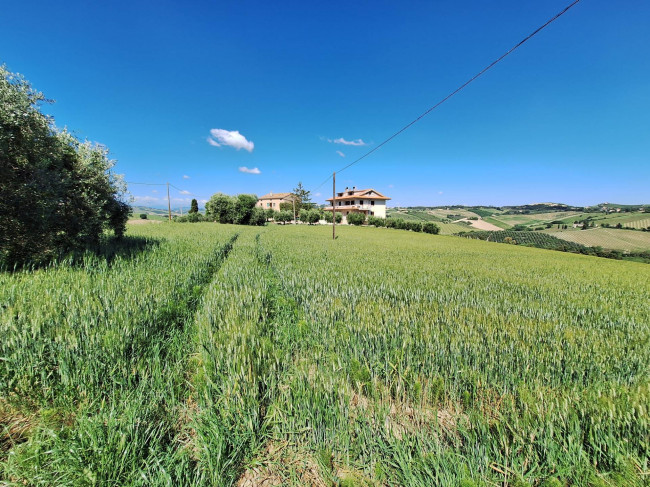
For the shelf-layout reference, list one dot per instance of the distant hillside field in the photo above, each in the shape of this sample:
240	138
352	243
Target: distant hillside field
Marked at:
454	213
628	240
412	215
426	216
632	220
452	228
136	210
533	218
481	224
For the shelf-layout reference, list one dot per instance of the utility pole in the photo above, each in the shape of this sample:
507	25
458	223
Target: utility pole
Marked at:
169	204
293	198
334	206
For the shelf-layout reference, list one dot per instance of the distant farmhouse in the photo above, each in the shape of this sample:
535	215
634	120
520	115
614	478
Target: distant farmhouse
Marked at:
367	201
273	200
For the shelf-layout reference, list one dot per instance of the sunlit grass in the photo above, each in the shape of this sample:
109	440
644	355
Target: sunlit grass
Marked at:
225	354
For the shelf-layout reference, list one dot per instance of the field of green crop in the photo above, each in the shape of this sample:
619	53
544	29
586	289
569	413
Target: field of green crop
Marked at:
609	238
497	223
534	218
220	355
443	213
633	220
413	215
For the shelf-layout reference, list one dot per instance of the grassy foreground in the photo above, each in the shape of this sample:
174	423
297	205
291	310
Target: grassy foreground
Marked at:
223	355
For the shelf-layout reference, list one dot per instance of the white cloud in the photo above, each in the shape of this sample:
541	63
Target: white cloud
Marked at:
148	199
154	190
439	192
341	140
340	153
185	176
391	185
221	137
184	192
317	194
253	170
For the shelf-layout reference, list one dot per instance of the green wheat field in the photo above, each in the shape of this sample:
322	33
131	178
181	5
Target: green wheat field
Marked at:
223	355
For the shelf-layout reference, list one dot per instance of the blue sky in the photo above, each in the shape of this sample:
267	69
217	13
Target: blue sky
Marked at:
566	118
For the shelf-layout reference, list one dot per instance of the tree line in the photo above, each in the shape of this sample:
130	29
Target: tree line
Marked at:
242	210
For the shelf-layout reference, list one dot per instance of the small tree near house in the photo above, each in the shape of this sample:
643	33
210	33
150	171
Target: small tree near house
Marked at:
284	217
194	206
356	218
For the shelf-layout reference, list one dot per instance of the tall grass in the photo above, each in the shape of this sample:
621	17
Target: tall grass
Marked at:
232	356
92	355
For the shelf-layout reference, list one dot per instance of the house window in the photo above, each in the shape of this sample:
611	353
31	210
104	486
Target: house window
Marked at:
268	204
372	202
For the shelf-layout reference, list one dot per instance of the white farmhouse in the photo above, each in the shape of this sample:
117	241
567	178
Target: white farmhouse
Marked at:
273	200
370	202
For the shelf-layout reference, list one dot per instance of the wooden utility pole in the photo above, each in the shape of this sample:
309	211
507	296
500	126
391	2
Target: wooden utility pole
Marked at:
169	204
334	206
293	198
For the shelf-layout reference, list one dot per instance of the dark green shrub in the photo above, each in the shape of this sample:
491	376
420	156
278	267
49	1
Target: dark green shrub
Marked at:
430	227
413	226
194	206
284	217
376	221
328	217
220	208
257	217
143	216
356	218
313	216
244	209
396	223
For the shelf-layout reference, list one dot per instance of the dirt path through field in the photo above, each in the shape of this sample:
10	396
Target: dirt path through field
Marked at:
480	224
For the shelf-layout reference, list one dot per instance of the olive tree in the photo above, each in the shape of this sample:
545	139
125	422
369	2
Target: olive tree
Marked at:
58	194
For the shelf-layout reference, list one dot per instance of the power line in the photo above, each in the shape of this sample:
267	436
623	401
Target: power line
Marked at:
182	191
147	184
473	78
185	192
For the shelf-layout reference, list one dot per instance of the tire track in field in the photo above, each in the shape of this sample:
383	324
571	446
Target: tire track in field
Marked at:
235	370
